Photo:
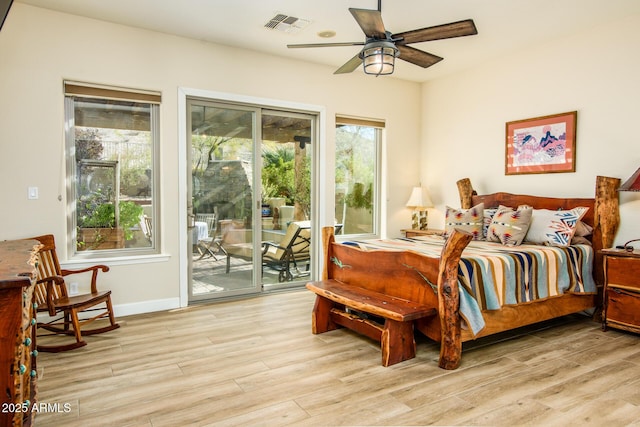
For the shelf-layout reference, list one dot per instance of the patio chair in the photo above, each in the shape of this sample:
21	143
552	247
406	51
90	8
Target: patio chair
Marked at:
68	313
290	253
209	245
145	226
285	256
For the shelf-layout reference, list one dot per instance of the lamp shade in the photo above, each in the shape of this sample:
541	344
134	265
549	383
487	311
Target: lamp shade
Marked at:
419	199
632	184
379	58
426	200
415	199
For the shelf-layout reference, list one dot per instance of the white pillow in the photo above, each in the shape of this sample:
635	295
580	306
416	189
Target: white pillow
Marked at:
554	228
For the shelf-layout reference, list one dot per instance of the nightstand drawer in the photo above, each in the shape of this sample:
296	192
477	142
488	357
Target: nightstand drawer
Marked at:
623	271
623	306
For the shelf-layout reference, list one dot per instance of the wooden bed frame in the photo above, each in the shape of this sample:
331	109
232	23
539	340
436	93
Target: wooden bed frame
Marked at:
380	269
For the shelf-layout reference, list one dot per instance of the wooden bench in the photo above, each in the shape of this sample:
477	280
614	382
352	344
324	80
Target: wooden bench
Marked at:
404	290
340	304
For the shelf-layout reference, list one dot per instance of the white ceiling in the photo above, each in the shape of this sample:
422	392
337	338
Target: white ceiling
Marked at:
503	26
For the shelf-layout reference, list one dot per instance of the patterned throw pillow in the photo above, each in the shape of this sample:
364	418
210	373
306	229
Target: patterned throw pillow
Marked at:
469	220
509	226
488	216
554	228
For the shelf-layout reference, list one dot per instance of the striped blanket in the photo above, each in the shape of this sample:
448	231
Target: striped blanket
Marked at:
492	275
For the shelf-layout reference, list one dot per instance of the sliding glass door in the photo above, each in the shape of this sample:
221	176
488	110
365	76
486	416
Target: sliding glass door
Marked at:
249	198
222	198
286	197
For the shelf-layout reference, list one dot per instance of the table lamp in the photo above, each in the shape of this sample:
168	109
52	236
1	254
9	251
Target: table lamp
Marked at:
419	201
632	184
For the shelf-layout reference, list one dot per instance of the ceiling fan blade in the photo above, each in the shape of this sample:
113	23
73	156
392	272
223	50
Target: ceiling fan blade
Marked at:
417	56
438	32
294	46
350	65
370	21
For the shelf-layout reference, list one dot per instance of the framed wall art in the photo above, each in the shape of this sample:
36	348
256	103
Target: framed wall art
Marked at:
541	145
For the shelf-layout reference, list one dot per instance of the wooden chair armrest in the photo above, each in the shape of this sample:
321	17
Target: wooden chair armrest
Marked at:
50	281
66	272
94	274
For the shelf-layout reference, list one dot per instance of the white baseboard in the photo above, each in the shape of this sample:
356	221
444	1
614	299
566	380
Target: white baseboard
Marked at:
146	306
131	308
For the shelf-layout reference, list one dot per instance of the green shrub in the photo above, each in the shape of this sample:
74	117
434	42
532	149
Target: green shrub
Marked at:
103	216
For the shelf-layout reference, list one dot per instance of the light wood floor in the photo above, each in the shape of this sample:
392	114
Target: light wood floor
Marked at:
255	362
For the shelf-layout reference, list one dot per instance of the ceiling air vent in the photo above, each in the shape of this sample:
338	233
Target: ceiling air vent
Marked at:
287	24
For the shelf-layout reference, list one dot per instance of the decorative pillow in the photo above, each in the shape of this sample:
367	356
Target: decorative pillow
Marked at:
488	216
554	228
509	226
583	229
469	220
579	240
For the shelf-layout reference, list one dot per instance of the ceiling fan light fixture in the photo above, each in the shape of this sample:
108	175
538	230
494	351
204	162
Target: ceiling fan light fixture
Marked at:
379	57
379	52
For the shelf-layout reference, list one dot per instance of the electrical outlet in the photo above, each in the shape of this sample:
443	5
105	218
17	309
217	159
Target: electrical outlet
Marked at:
73	288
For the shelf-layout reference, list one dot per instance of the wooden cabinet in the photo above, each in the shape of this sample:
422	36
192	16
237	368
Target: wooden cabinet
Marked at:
17	332
417	233
621	290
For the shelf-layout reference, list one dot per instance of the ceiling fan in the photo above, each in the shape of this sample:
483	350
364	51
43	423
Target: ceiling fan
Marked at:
381	47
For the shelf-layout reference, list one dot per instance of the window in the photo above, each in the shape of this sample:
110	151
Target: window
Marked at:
112	142
358	146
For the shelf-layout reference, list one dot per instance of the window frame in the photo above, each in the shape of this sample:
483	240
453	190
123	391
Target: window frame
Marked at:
72	91
377	196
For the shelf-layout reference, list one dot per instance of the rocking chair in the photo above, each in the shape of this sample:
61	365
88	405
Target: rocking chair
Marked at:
52	296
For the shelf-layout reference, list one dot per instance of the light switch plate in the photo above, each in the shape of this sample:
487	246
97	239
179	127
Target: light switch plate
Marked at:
33	193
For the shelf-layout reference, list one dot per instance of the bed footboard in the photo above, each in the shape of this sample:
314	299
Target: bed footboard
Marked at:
430	282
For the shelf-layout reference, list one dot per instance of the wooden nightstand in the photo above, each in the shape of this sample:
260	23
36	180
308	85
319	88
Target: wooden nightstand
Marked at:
621	305
415	233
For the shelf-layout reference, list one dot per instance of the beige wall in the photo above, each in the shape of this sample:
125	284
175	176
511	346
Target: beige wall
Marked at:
594	72
39	49
456	124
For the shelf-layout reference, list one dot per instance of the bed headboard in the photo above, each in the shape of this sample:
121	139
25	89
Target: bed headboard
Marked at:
538	202
603	214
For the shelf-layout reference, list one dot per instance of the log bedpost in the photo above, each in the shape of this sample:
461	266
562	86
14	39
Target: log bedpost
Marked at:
466	191
607	211
605	222
449	299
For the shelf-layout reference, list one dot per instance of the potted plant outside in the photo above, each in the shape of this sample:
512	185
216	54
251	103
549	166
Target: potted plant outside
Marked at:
98	229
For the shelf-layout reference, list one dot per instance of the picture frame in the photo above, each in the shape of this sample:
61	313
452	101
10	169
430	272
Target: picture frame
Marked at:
544	144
